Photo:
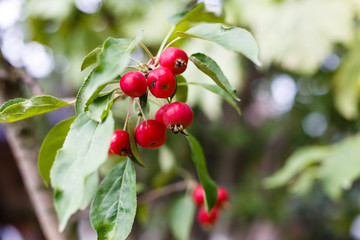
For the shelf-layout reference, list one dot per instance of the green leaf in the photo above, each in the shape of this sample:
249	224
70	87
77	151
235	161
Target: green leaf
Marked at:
135	156
181	92
232	38
100	107
182	217
219	91
11	102
300	160
340	169
91	58
113	210
347	85
74	173
183	21
197	14
304	182
113	60
198	157
212	69
51	144
19	108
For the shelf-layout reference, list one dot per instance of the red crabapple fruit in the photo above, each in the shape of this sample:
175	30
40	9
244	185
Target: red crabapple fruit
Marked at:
133	84
161	82
198	195
223	196
174	59
120	143
177	117
159	114
150	134
205	218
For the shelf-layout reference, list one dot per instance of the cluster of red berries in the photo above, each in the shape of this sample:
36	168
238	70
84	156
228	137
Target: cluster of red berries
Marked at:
161	82
203	217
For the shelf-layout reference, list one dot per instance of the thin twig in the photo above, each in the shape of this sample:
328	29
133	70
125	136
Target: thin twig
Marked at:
138	103
31	82
128	113
24	145
162	192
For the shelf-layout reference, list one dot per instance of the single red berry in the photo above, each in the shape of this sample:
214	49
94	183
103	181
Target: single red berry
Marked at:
205	218
120	143
177	116
159	114
150	134
161	82
223	196
174	59
198	195
133	84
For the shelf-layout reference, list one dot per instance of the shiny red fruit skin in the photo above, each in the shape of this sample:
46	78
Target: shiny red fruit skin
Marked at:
159	114
223	196
150	134
161	82
178	113
174	59
120	143
205	218
198	195
133	84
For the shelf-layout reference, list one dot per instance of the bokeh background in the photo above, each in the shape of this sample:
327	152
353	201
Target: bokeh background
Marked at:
304	96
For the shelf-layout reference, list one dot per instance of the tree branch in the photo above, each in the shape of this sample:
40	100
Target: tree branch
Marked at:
24	146
162	192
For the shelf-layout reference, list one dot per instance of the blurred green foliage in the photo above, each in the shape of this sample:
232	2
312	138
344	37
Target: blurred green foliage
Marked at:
314	42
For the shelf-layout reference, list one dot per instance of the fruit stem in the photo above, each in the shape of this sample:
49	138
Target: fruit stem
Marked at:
137	61
172	42
165	41
147	51
132	67
138	103
128	113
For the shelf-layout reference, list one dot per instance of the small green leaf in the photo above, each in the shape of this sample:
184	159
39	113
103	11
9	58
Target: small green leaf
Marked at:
100	107
198	157
113	210
91	58
212	69
233	38
19	108
296	163
182	217
197	14
135	156
74	173
219	91
181	92
51	144
112	62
